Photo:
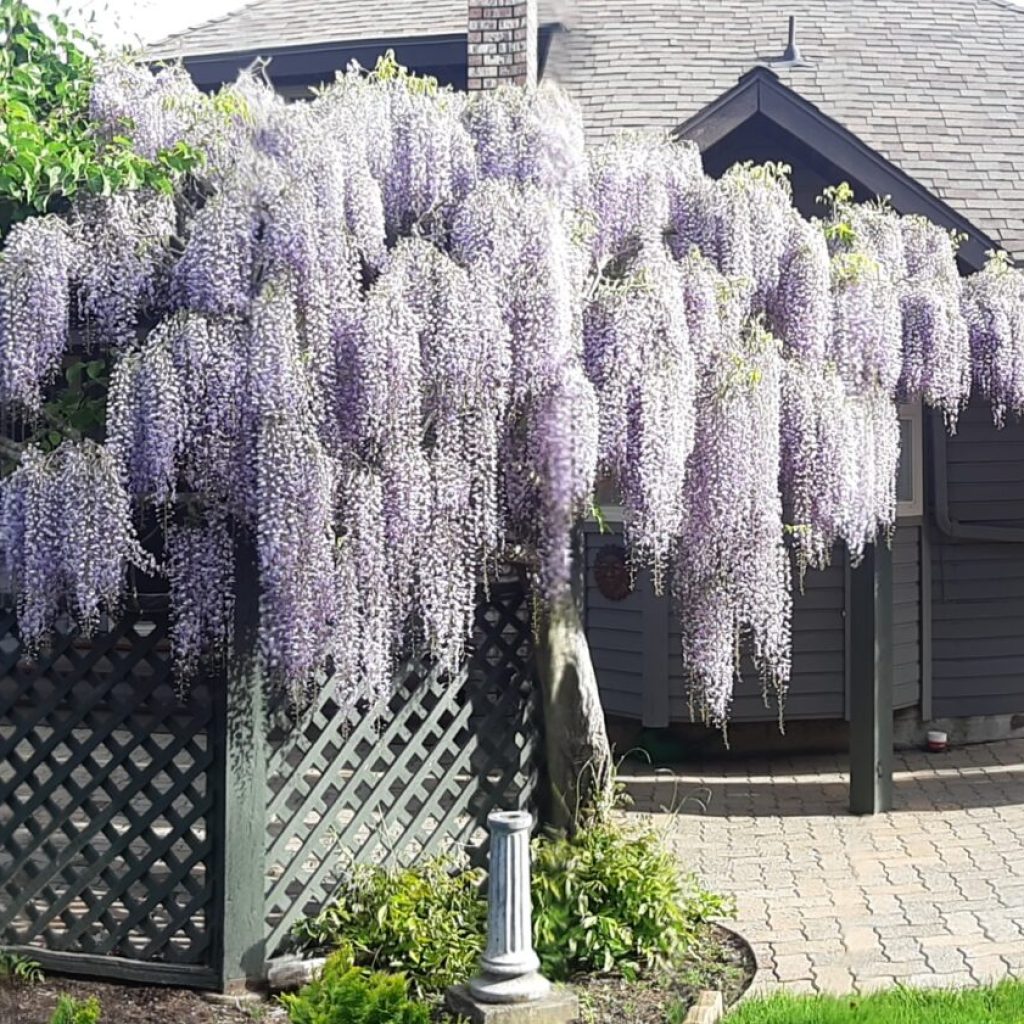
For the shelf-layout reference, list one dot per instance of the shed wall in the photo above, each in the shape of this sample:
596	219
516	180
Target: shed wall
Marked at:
978	587
635	644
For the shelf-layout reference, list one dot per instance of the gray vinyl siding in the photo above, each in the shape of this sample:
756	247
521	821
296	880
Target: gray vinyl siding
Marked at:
906	599
615	632
636	648
978	588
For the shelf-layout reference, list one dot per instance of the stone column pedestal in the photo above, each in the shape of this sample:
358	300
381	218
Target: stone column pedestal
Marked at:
509	968
509	989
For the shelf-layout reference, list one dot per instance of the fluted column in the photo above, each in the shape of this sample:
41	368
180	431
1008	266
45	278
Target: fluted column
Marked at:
509	965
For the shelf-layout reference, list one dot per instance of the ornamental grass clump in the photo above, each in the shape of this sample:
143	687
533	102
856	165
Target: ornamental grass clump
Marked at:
611	900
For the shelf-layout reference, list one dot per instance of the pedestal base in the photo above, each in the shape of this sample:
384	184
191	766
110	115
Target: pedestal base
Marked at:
559	1006
488	987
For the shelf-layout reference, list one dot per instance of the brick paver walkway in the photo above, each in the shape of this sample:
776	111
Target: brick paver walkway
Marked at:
929	894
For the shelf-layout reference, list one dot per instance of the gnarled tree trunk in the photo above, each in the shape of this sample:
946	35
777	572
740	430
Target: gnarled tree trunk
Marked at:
579	760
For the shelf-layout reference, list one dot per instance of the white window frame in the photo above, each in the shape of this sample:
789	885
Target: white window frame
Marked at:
912	412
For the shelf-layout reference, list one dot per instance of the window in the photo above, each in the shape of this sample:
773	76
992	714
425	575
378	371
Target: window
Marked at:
910	475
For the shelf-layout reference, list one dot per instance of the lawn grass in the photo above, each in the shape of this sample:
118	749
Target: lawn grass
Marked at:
1003	1004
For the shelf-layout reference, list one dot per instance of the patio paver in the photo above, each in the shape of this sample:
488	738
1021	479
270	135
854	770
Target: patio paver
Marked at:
929	894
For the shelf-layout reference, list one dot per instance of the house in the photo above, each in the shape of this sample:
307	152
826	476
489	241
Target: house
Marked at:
918	100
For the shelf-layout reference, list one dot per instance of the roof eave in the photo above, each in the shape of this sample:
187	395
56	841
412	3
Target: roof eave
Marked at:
759	91
309	62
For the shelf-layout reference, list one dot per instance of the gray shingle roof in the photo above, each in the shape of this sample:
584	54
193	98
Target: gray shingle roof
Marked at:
262	24
936	86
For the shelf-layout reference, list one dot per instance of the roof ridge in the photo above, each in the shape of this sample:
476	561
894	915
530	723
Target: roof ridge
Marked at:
1008	5
200	26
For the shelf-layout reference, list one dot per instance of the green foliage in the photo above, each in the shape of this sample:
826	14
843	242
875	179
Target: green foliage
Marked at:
611	900
1001	1004
22	970
770	172
388	69
999	261
344	994
79	408
428	921
48	150
850	267
73	1011
838	199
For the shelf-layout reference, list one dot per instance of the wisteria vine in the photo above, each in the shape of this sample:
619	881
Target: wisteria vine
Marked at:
384	341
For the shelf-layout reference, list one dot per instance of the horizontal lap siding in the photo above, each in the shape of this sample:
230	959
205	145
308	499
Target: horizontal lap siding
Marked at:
615	631
978	588
906	599
818	684
615	635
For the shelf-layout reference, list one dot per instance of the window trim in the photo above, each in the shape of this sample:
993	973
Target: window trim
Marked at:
914	413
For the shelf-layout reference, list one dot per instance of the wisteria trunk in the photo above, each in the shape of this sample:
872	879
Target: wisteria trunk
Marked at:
579	759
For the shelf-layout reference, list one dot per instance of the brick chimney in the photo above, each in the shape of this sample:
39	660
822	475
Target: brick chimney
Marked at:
502	43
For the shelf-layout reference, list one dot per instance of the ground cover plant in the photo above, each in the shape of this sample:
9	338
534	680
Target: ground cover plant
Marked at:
1002	1004
344	993
613	916
611	900
427	921
74	1011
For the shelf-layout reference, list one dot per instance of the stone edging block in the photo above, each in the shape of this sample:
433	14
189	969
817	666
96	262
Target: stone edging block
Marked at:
709	1009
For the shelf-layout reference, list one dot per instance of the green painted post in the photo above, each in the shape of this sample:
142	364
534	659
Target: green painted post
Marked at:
871	672
243	765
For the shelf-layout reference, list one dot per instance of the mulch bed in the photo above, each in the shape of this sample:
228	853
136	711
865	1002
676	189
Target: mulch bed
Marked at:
125	1004
720	960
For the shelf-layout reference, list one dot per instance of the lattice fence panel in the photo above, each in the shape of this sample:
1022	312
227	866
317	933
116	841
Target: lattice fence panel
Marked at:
106	799
409	778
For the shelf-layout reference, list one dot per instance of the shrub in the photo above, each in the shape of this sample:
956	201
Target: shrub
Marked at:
73	1011
612	900
428	922
344	994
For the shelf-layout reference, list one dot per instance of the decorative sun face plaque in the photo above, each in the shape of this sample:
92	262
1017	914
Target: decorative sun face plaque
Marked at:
611	573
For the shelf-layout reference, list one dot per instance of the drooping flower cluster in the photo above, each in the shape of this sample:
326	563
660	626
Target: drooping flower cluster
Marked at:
127	238
36	268
200	565
156	110
993	306
732	572
638	355
381	339
936	342
68	537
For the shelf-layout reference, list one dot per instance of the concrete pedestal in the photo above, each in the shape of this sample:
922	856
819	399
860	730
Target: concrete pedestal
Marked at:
559	1006
509	968
509	988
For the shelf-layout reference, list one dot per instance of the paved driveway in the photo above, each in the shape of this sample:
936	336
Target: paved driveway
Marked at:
929	894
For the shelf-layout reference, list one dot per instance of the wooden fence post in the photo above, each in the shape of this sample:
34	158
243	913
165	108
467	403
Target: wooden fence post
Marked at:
871	656
243	778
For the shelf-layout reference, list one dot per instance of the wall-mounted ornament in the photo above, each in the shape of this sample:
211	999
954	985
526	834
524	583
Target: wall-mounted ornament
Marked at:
612	574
